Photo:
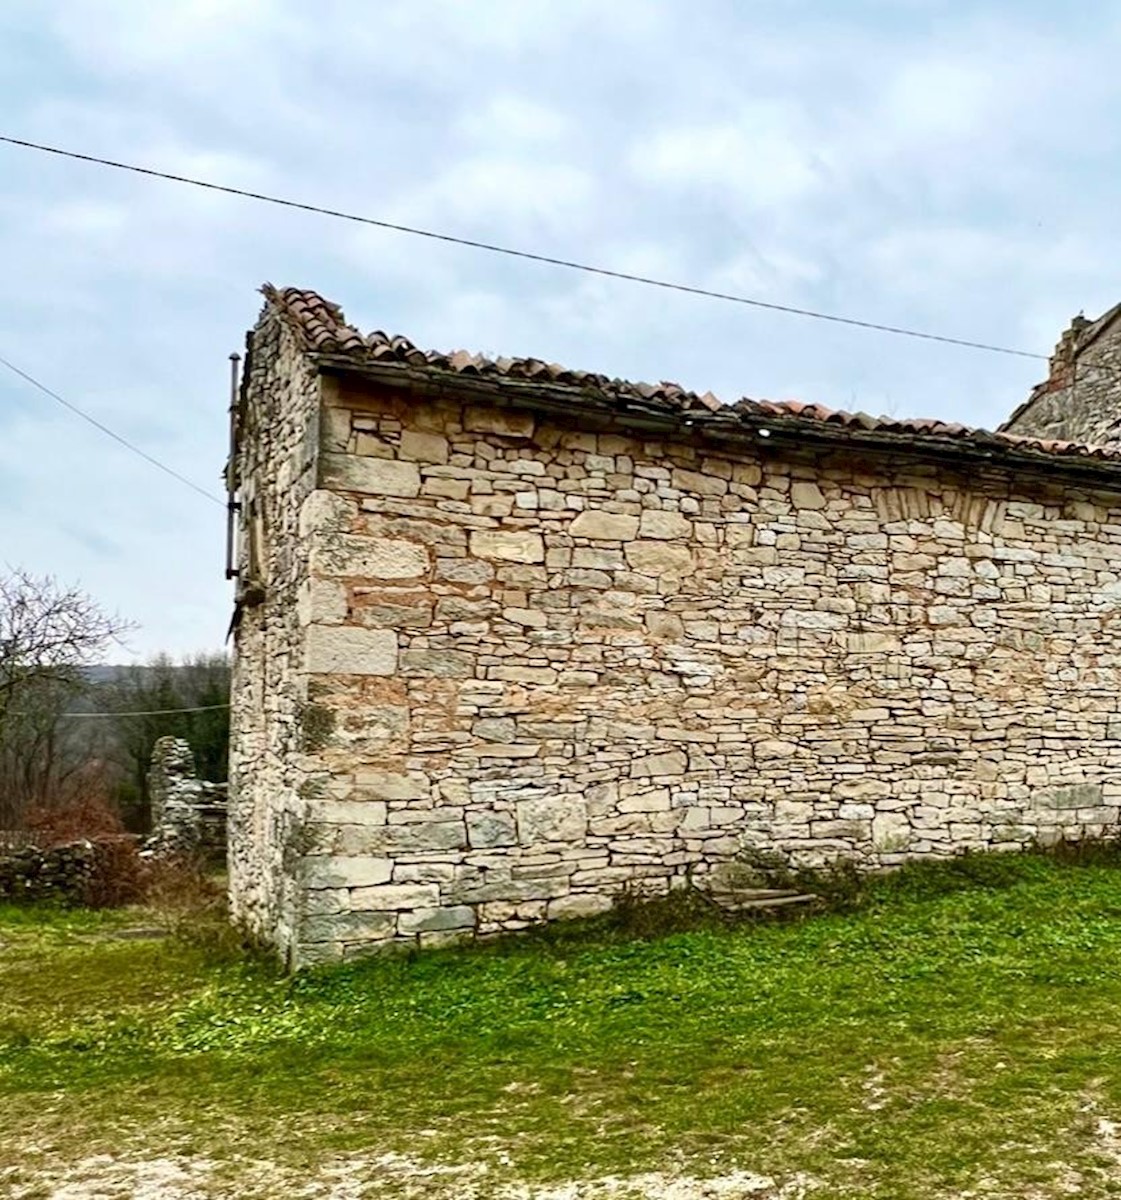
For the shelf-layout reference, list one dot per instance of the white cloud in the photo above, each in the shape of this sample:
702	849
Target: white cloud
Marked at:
758	158
946	170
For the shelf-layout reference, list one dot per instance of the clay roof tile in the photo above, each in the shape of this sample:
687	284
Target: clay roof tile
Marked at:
323	329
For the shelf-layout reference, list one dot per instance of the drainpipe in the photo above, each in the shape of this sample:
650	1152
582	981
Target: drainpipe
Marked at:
232	505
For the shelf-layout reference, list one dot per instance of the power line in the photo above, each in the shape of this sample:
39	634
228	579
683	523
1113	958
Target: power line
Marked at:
151	712
109	432
492	248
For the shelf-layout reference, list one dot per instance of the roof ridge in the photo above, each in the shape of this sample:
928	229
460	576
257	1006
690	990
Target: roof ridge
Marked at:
323	329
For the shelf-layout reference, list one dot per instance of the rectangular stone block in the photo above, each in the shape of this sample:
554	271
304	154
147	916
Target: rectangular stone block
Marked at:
393	785
376	476
506	422
441	664
658	524
350	650
358	871
509	545
671	762
552	819
1071	795
394	896
348	812
354	555
349	927
458	916
486	830
424	447
604	526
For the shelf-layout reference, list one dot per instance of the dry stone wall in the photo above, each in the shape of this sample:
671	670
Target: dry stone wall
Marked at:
526	665
64	873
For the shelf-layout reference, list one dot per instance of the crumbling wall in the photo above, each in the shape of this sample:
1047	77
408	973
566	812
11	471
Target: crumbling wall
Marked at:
189	814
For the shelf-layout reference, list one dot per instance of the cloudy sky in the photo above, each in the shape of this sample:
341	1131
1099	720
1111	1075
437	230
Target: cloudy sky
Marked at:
939	164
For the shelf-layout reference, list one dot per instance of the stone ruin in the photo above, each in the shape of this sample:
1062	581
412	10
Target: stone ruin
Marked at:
188	813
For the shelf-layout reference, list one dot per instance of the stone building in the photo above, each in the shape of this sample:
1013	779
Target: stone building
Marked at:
1080	400
511	638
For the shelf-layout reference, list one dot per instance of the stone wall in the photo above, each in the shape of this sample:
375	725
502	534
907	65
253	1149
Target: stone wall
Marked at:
278	422
29	873
539	663
188	813
1081	399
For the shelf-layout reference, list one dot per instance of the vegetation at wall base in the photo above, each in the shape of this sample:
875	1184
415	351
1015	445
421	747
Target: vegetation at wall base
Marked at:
952	1033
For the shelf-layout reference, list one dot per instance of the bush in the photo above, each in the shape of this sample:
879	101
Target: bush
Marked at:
117	877
89	818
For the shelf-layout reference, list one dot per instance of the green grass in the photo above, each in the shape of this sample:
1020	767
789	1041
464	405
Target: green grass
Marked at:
959	1029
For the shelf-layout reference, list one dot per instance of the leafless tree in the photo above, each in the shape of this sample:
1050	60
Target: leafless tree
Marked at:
48	633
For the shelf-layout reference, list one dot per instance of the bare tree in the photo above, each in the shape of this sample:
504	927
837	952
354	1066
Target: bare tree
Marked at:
48	633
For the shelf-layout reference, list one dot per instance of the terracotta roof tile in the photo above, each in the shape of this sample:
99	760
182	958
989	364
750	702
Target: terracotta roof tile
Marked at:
323	329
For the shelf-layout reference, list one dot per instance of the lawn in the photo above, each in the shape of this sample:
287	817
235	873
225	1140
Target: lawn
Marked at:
957	1034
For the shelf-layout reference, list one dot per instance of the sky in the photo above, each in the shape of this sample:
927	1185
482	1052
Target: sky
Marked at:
937	164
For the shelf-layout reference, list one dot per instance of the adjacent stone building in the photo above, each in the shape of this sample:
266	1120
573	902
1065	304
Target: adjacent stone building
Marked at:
1080	400
511	638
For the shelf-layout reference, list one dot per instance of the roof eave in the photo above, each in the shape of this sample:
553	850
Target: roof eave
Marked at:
730	424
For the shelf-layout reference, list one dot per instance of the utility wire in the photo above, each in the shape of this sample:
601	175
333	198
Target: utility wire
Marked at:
109	432
151	712
492	248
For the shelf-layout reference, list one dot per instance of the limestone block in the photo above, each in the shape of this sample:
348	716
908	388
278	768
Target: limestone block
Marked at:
326	512
348	812
321	602
698	483
774	748
394	896
604	526
449	489
552	819
486	830
441	664
349	927
393	785
368	557
459	916
325	902
510	545
375	476
665	625
496	729
659	558
424	836
1071	795
534	618
804	494
580	905
350	650
532	675
506	422
671	762
657	523
424	447
862	789
357	871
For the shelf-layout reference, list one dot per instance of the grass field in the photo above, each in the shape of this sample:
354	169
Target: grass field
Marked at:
957	1034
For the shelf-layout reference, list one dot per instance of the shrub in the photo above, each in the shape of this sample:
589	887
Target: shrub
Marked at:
87	818
117	877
